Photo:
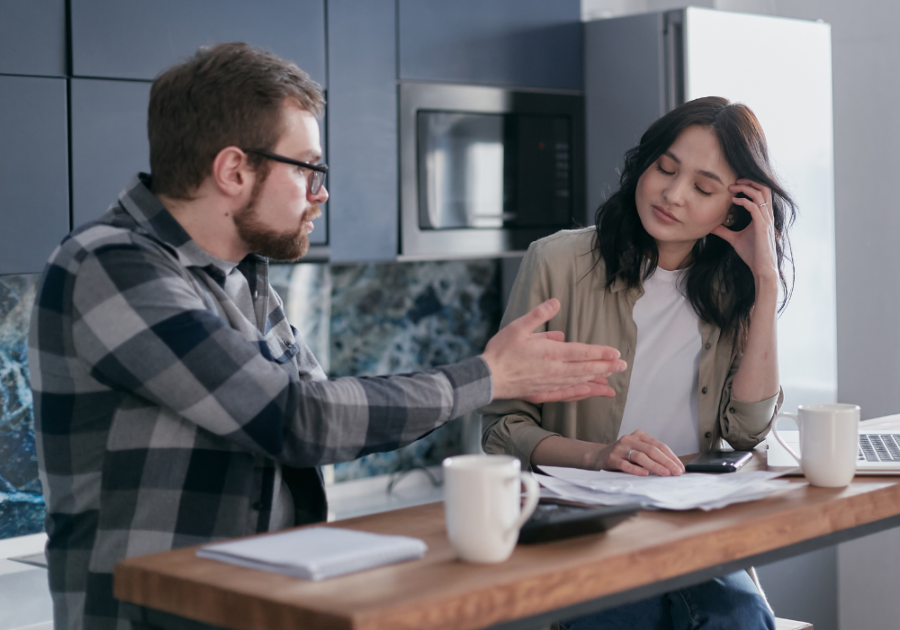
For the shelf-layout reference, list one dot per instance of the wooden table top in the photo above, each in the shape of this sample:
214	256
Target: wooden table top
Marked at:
440	592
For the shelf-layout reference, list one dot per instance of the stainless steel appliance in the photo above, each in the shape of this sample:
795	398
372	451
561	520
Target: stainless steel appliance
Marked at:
485	171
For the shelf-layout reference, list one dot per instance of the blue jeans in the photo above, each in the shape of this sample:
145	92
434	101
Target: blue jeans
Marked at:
727	603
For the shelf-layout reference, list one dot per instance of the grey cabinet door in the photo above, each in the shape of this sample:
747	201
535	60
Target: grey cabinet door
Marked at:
33	37
517	43
34	171
109	142
362	130
137	39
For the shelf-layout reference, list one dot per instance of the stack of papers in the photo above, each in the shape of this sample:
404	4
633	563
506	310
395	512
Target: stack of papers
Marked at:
316	553
686	492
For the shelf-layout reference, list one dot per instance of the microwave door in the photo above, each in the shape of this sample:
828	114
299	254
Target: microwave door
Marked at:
461	170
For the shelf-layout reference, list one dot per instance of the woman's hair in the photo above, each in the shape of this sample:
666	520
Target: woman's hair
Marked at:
719	284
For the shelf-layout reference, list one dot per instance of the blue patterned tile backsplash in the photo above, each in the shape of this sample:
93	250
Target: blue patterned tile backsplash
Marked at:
383	318
21	502
390	318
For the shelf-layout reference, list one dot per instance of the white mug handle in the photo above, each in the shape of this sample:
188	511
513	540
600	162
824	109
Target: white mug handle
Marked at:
532	495
778	437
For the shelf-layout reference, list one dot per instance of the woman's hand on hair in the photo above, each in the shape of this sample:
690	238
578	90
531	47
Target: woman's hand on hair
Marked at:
646	455
755	244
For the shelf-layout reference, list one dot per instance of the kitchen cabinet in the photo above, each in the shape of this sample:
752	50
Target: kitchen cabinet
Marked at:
33	37
507	43
362	130
34	180
109	142
135	39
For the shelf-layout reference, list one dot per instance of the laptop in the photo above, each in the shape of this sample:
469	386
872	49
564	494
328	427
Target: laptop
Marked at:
878	453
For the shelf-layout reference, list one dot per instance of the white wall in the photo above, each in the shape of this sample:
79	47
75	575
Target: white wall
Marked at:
865	51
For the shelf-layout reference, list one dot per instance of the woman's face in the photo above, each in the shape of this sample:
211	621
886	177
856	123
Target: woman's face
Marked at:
684	194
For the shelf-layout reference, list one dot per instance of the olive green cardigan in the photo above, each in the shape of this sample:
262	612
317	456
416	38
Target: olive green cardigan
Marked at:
563	266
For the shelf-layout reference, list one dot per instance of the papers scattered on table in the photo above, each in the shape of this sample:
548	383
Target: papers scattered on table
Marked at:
316	553
686	492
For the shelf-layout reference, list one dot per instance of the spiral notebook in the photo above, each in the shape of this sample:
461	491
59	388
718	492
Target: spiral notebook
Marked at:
316	553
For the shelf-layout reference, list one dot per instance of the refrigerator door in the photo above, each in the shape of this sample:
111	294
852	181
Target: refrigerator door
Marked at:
781	69
624	91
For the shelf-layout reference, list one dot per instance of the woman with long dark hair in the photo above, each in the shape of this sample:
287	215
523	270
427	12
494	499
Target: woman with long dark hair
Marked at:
682	275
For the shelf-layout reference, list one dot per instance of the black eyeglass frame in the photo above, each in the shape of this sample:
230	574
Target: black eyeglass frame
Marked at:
319	170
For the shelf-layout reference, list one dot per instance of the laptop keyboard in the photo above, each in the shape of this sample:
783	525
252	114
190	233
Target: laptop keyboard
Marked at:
883	447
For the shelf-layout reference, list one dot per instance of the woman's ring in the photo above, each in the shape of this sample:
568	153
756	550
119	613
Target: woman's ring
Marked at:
764	203
628	456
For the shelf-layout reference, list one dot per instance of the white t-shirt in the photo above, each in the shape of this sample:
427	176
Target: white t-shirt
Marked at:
662	395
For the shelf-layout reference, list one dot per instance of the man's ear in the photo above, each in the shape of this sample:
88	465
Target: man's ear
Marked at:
231	173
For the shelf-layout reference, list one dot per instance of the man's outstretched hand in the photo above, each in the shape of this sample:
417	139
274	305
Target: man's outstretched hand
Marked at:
542	367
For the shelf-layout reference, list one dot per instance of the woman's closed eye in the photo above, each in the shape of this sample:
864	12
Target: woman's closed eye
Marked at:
662	170
701	191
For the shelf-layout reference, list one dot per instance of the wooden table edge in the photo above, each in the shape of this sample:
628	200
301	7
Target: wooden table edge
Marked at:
850	517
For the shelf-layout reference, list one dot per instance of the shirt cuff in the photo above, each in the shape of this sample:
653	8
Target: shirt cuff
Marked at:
518	439
753	419
472	385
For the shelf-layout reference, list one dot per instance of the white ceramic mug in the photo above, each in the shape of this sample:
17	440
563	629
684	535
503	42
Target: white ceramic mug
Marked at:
482	503
829	442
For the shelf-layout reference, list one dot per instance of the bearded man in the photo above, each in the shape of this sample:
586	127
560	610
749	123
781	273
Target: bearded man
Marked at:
174	403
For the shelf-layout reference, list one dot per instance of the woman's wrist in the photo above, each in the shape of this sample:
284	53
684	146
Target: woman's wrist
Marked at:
767	286
594	457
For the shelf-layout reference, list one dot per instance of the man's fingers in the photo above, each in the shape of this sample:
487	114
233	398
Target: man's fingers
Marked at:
574	393
575	352
578	371
540	314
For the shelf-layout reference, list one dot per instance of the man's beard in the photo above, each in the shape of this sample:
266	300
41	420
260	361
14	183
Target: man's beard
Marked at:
287	246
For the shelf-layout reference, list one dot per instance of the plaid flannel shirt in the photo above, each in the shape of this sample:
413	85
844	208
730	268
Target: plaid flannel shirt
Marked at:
155	398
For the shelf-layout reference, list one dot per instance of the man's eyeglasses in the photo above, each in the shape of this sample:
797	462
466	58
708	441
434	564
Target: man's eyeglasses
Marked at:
318	171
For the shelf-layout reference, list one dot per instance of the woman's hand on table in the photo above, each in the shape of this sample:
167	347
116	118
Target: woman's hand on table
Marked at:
637	454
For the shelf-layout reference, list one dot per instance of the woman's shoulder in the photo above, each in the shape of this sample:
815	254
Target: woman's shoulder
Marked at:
567	258
566	245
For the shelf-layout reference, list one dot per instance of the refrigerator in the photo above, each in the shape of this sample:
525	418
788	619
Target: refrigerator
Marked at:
639	67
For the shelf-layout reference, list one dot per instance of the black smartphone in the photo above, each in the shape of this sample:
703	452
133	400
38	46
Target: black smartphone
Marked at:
719	461
740	215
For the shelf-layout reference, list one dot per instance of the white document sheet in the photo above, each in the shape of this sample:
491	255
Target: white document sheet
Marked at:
316	553
685	492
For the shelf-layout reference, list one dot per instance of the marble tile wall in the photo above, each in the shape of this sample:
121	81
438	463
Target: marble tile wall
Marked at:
358	320
21	504
393	318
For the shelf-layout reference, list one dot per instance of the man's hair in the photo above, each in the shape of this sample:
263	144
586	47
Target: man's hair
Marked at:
224	95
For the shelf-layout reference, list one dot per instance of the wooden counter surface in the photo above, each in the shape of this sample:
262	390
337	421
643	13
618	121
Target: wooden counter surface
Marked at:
440	592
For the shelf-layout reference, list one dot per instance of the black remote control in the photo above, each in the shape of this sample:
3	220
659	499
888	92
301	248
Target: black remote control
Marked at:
553	520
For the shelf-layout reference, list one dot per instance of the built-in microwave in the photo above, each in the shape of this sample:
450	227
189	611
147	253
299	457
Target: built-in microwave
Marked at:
485	171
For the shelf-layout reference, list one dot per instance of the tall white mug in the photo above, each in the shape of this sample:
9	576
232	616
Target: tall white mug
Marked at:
829	442
482	503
